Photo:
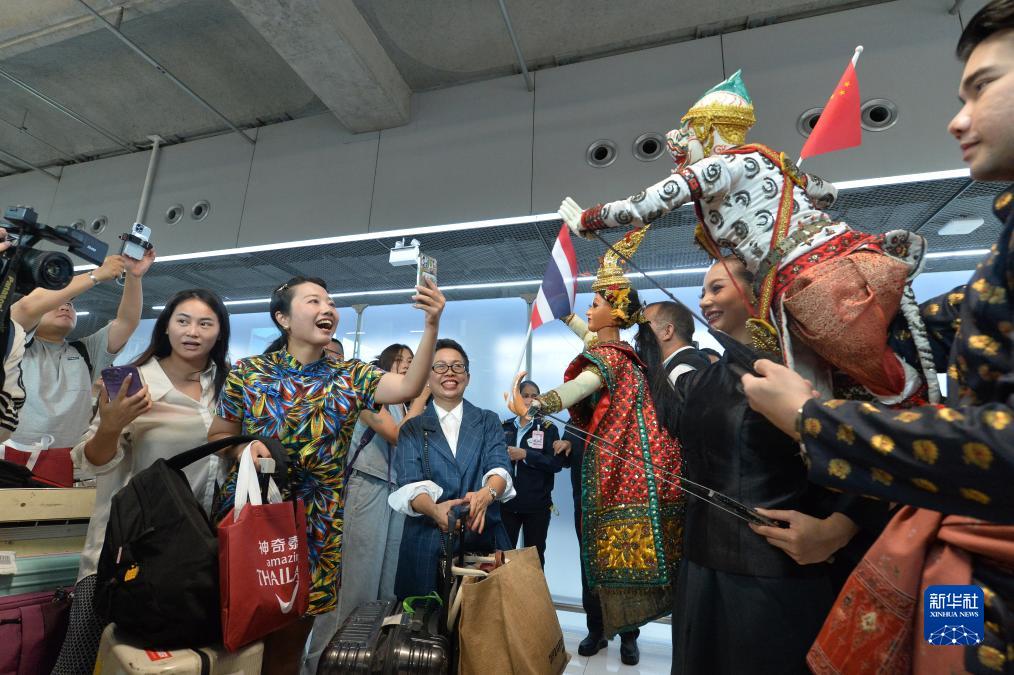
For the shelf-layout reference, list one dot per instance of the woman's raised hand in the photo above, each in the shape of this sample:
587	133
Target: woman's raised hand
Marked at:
430	300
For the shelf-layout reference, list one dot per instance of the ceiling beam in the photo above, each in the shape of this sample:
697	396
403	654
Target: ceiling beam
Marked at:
335	52
164	71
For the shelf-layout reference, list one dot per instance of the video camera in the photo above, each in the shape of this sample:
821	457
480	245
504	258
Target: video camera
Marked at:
23	269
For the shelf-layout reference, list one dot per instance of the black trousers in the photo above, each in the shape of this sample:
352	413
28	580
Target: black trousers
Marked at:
535	526
589	598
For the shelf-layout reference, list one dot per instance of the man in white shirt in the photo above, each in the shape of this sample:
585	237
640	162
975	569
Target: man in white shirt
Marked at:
673	325
456	452
58	375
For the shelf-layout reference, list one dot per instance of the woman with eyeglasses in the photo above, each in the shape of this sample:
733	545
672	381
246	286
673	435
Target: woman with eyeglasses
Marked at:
453	454
311	403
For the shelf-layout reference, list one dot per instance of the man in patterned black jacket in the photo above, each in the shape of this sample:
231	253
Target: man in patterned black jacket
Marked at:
956	459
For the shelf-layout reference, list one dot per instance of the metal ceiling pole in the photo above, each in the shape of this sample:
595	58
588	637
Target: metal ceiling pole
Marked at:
142	208
126	145
517	48
956	7
162	69
530	299
24	162
359	328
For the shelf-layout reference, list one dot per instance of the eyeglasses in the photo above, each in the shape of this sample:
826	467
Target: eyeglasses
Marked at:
457	367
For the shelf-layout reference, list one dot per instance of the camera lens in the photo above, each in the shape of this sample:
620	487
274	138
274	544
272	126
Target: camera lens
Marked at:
44	269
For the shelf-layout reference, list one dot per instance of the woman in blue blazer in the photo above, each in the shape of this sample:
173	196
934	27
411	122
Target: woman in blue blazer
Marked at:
454	453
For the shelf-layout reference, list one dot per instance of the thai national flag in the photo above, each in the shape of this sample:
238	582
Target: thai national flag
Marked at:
556	294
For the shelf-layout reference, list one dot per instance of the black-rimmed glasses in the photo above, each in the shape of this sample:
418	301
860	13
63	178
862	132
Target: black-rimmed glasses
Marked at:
457	367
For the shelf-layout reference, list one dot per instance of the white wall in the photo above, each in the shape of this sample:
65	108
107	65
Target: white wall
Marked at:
492	149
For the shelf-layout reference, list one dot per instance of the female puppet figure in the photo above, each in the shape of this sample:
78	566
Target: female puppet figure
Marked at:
632	506
826	293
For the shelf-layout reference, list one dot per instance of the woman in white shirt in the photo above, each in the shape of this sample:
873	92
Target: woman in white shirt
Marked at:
182	373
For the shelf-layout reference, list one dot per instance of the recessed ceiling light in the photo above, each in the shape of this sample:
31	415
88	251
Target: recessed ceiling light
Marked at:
961	226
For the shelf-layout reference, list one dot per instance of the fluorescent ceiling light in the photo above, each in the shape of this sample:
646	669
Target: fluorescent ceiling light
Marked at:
905	178
496	222
958	254
960	226
463	287
83	313
361	236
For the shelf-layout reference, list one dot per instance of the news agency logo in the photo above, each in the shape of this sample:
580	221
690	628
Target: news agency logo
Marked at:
953	615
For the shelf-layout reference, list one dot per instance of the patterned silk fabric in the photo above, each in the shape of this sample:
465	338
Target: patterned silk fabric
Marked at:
956	459
312	410
632	507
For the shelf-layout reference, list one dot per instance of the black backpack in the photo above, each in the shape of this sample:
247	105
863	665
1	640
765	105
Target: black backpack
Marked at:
157	574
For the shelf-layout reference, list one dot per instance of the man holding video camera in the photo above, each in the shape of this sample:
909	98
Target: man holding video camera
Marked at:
12	395
58	375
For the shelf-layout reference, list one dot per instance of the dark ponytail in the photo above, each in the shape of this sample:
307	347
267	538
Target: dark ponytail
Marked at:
662	393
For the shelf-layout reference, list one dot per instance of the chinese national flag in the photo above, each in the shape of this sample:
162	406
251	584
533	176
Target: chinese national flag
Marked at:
838	127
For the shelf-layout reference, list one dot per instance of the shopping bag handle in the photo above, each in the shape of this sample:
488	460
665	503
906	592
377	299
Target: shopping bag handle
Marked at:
187	458
248	487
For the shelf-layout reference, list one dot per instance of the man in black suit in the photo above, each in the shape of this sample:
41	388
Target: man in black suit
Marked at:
673	325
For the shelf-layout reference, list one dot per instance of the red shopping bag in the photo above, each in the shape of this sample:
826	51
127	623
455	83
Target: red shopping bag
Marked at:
49	465
263	562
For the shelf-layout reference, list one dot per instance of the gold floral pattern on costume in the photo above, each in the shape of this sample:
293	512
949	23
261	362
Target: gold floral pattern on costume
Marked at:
833	403
978	454
984	344
998	419
955	298
869	408
926	451
952	372
846	434
975	495
882	443
811	426
627	546
881	476
907	416
928	486
991	657
950	415
932	309
839	468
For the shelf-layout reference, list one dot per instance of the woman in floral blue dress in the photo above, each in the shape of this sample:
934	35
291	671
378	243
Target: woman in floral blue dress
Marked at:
311	404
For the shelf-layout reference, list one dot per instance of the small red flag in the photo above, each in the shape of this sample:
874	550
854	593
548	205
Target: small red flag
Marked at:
838	127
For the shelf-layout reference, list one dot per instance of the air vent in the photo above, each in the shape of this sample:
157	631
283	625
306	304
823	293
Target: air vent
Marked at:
601	153
200	210
174	214
807	121
878	114
649	147
98	226
78	224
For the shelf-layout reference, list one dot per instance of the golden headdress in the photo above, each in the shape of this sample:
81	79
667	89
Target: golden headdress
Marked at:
726	107
611	282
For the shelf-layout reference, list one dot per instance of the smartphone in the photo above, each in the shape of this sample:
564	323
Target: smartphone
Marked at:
743	511
427	269
113	378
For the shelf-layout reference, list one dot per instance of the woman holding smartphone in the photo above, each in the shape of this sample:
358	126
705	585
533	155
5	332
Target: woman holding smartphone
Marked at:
182	373
311	405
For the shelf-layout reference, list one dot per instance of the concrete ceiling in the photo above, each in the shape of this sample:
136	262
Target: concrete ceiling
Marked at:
263	61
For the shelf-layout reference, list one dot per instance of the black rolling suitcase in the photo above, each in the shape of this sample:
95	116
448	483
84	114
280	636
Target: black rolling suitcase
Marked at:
419	643
364	644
